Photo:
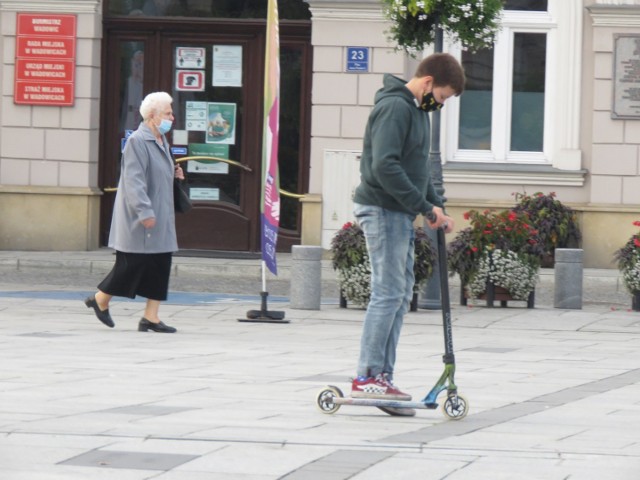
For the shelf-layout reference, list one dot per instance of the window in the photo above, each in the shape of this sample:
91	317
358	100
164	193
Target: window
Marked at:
288	9
528	5
504	115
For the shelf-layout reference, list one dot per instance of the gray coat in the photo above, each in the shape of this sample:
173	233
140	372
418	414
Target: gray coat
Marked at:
145	190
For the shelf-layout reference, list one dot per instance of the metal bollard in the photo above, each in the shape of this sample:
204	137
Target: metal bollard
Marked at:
306	277
568	278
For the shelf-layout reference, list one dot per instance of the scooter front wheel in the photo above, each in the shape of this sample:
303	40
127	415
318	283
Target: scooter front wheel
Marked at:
325	400
455	407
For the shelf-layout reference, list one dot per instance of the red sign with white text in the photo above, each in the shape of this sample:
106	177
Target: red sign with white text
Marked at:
46	24
36	69
46	47
45	59
41	93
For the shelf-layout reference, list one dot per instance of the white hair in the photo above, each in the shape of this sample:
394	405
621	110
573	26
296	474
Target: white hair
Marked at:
153	103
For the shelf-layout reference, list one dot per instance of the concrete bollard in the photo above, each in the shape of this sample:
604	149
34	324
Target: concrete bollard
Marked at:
568	278
306	277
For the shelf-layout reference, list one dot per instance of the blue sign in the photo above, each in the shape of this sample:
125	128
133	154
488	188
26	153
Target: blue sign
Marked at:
357	59
179	150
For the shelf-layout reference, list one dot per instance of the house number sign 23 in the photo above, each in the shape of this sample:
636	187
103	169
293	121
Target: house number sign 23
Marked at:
357	59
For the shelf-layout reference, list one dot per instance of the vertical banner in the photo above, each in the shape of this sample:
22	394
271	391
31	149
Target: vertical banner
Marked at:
270	209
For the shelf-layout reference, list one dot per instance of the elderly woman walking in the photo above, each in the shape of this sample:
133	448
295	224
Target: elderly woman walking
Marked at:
143	231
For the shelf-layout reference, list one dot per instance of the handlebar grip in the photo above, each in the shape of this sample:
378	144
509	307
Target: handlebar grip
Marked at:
432	218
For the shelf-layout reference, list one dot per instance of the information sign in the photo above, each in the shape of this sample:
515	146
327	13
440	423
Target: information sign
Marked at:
45	59
357	59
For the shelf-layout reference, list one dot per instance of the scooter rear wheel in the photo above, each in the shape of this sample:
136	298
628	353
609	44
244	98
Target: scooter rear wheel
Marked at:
455	407
325	398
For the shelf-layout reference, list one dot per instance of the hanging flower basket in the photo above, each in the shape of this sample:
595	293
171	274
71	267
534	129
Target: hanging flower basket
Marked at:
474	24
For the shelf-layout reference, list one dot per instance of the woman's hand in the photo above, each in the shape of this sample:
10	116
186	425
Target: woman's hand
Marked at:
178	172
149	222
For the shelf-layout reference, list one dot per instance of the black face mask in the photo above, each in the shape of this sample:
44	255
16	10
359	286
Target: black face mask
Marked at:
429	103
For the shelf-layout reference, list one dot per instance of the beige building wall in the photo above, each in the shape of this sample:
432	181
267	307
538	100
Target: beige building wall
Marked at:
49	155
595	164
612	145
342	101
49	198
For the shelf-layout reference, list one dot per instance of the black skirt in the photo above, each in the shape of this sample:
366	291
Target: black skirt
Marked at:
143	274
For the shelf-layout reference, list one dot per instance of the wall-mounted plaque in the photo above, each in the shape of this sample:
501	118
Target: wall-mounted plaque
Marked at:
626	77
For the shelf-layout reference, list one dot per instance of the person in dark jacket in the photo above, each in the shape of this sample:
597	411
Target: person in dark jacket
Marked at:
143	226
395	186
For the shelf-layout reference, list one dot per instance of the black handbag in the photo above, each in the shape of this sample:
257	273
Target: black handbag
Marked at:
181	200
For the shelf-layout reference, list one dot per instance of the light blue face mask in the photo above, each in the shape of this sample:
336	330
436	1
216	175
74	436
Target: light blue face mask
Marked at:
165	126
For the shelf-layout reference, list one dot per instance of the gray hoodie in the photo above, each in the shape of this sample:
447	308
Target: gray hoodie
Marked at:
394	168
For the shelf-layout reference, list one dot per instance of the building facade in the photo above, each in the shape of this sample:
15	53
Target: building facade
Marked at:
552	107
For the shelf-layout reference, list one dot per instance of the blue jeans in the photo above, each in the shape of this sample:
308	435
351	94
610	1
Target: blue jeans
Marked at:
390	244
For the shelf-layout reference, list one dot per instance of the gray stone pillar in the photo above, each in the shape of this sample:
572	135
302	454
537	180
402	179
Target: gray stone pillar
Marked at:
306	277
568	278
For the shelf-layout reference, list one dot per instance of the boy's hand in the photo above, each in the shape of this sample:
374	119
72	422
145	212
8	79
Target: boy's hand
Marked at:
437	218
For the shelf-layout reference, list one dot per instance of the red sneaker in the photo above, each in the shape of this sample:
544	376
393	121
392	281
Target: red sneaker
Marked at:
378	387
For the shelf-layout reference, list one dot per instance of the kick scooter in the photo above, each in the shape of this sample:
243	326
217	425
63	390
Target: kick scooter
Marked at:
455	407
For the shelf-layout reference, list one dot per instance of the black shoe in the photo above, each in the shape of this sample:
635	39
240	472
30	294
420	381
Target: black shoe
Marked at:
399	412
145	325
103	315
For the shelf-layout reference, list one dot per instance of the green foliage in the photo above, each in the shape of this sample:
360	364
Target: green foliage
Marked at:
556	223
628	260
513	239
474	24
350	259
348	247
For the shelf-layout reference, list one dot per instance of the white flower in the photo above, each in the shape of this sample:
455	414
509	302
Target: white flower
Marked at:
506	270
631	278
355	282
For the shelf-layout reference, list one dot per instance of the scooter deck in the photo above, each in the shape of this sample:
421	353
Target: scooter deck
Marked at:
378	402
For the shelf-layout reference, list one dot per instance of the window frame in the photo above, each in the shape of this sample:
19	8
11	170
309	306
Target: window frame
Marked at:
562	23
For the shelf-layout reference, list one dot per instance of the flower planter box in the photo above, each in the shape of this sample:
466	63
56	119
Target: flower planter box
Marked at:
413	306
495	293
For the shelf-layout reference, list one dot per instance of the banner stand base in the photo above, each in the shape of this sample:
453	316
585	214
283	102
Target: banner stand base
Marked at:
263	315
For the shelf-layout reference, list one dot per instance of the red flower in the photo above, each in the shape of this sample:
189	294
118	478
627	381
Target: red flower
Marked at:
637	223
347	225
512	216
636	242
467	215
474	249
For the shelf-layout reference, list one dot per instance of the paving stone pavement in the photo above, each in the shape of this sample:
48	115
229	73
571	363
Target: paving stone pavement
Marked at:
554	394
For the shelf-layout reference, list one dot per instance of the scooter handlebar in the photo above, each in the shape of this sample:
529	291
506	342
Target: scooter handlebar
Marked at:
432	218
